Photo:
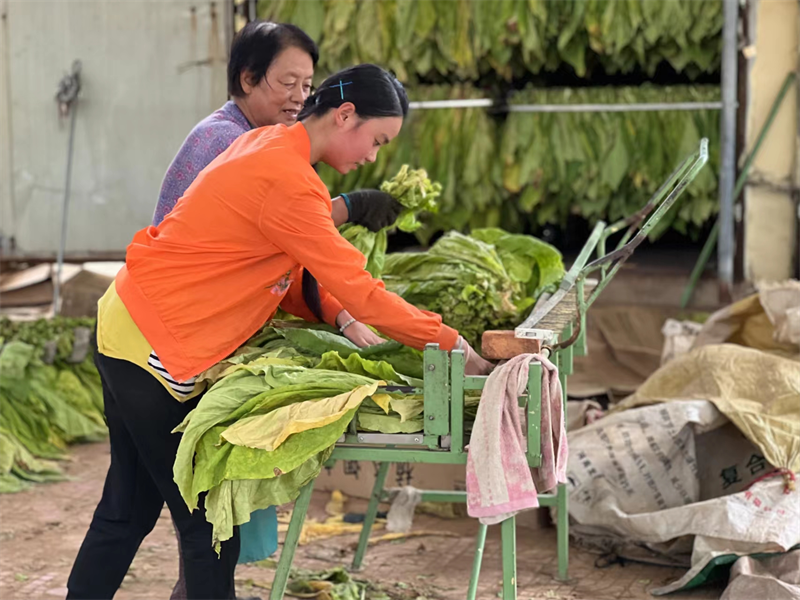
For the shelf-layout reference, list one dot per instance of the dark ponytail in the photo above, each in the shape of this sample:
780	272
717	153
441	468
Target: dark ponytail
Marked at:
311	295
374	92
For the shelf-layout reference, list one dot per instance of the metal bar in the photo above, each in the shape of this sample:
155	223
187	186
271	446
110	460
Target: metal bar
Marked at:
653	202
466	103
437	457
474	382
436	496
457	363
369	517
659	203
566	364
590	108
618	257
727	171
708	248
548	500
563	108
562	375
534	414
290	543
480	542
508	533
562	531
393	439
580	346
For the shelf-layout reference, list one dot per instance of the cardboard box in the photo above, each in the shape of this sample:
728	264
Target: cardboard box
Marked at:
357	478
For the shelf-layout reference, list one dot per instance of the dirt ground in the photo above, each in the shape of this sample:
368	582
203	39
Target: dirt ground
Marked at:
41	530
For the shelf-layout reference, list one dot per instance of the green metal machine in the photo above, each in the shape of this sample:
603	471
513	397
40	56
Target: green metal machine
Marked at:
559	322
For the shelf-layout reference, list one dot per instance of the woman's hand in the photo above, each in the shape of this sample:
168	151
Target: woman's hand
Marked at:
475	365
373	209
362	336
355	331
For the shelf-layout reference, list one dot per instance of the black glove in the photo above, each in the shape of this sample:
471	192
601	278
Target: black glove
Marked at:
373	209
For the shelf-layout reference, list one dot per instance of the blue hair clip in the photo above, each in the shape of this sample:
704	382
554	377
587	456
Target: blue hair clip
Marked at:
341	85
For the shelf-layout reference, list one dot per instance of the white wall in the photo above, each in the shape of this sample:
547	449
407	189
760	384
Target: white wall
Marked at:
151	70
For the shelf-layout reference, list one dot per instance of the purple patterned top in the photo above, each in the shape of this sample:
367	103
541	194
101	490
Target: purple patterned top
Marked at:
209	138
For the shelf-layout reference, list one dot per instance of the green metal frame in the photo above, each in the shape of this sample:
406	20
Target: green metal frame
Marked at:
637	227
445	383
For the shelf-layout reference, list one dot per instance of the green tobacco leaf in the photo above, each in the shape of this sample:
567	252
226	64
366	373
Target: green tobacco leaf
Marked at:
389	423
319	342
354	363
310	16
15	358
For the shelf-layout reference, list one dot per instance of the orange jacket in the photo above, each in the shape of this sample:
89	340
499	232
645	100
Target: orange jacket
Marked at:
219	265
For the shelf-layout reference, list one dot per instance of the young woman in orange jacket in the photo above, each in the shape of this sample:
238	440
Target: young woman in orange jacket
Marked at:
206	279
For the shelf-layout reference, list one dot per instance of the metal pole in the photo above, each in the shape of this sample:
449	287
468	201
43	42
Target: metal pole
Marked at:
66	96
727	175
637	107
563	108
467	103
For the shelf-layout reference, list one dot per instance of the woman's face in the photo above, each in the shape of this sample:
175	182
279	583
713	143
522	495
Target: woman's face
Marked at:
278	97
358	140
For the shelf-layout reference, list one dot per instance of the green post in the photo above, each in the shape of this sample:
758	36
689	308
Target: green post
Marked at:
565	366
580	344
437	391
508	531
562	530
457	363
290	543
476	563
534	414
369	517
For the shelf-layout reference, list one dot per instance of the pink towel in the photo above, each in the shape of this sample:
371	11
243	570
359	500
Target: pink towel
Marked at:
499	480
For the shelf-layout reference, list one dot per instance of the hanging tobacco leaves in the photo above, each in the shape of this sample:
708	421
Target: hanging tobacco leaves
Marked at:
457	40
533	169
522	171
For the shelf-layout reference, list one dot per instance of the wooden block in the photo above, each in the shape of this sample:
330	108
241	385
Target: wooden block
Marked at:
502	345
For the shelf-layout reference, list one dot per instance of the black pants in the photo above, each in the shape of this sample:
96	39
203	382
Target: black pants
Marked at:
141	414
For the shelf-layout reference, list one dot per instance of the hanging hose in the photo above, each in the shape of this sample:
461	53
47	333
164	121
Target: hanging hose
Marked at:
67	95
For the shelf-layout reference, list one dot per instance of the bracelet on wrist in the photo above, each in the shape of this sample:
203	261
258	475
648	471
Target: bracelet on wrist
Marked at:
346	325
459	345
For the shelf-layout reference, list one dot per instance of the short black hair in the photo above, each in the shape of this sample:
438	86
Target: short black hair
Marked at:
257	46
374	91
